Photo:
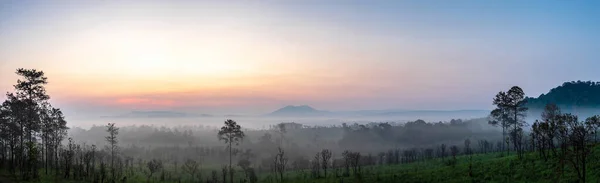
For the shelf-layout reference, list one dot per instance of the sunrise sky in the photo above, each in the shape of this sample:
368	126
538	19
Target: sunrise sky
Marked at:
251	57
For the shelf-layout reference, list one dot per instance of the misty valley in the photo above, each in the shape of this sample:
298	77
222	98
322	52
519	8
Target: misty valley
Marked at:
299	91
504	144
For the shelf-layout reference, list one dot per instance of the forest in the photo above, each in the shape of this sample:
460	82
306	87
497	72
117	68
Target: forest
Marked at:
569	95
37	146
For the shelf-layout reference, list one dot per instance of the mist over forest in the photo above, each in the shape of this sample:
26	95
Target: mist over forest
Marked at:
218	91
259	121
298	142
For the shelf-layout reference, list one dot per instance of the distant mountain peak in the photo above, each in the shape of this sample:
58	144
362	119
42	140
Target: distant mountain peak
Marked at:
300	110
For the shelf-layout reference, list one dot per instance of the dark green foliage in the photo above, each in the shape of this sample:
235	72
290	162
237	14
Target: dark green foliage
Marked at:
574	94
26	117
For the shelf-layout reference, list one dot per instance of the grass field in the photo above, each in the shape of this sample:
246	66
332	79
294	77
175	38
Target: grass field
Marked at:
492	167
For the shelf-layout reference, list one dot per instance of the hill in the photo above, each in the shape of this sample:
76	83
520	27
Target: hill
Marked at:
302	110
570	95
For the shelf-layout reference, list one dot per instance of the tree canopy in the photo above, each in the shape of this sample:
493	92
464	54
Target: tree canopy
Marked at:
574	94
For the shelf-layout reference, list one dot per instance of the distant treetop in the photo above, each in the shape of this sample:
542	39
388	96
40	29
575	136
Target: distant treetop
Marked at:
578	94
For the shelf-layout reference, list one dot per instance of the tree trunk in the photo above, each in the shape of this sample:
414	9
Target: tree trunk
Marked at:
505	144
230	169
583	166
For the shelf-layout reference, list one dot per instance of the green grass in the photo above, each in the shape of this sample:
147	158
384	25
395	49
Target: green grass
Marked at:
491	167
485	168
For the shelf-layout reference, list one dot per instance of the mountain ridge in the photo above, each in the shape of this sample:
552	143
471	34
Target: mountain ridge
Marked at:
573	94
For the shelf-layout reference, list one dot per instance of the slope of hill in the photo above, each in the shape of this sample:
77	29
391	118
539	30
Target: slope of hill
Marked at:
487	167
302	110
574	94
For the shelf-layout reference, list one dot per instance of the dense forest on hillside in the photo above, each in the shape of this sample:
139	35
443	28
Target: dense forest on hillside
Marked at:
574	94
36	146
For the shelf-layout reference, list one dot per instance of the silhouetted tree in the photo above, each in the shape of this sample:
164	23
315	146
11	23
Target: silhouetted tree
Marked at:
231	133
538	136
281	129
245	162
500	116
518	111
325	157
224	171
191	167
113	131
510	111
550	126
346	155
280	163
355	162
315	168
454	151
443	150
31	92
153	167
467	147
580	135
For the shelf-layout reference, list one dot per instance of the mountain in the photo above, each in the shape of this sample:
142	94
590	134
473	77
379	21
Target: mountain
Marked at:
570	95
156	114
302	110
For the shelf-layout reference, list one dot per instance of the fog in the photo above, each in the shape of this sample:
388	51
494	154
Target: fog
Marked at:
264	121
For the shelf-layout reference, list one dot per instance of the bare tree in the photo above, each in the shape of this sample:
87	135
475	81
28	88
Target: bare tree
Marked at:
325	157
518	111
191	167
315	168
153	167
214	176
347	155
224	171
467	146
443	151
280	163
454	151
355	162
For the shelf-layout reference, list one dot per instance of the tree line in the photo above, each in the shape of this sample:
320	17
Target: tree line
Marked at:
558	137
33	137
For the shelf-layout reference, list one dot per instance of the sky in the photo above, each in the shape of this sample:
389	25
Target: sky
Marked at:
257	56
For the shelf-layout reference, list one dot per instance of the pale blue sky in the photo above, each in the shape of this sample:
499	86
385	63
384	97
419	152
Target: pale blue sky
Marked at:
337	55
